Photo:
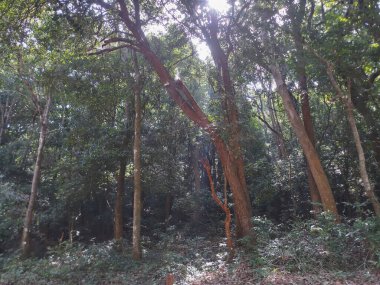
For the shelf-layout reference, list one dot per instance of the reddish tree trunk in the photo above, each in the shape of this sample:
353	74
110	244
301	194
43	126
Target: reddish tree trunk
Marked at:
224	206
184	99
312	157
302	79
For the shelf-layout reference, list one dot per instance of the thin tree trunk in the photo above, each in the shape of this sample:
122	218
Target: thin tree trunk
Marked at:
278	138
319	175
224	206
25	239
118	226
137	202
368	188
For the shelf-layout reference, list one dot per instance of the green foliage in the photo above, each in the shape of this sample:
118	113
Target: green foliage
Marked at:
317	245
12	204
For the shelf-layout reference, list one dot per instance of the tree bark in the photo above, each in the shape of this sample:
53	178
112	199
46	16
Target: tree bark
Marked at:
306	113
231	117
224	206
277	134
137	202
118	222
118	226
25	239
184	99
312	157
368	188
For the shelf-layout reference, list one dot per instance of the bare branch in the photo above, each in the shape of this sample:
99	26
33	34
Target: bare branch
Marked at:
106	50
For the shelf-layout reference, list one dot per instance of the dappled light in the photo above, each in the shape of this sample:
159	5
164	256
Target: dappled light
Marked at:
187	142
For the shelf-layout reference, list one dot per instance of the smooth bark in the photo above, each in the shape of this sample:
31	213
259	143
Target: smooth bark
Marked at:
319	175
222	205
184	99
302	80
118	219
211	33
346	98
28	221
137	202
118	226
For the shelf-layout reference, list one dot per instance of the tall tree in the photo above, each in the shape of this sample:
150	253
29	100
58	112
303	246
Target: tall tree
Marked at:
42	109
120	188
297	13
137	199
184	99
208	26
319	175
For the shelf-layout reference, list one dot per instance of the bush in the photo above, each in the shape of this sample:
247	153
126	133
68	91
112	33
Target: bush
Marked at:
315	245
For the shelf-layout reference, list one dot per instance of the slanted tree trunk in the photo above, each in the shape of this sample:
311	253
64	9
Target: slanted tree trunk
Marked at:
368	188
184	99
302	79
211	34
137	202
43	113
319	175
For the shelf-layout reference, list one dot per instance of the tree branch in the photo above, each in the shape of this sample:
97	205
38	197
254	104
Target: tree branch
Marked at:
106	50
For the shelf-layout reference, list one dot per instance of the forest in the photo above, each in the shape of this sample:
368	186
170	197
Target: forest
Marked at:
189	142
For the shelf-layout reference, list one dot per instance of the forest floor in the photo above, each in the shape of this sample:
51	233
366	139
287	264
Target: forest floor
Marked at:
196	261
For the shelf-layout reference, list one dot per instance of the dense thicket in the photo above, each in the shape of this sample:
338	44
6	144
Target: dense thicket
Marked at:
108	108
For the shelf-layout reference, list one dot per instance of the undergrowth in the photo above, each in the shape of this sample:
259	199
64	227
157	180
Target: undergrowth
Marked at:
305	247
316	245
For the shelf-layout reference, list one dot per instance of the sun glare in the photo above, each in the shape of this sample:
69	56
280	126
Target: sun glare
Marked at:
219	5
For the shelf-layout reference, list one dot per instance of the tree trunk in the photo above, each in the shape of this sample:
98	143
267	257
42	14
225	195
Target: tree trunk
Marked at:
278	138
184	99
368	188
118	226
312	157
308	123
358	144
137	202
229	105
224	206
297	18
25	239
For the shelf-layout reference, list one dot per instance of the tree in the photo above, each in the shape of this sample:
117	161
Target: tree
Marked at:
205	23
137	202
178	91
297	16
42	109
